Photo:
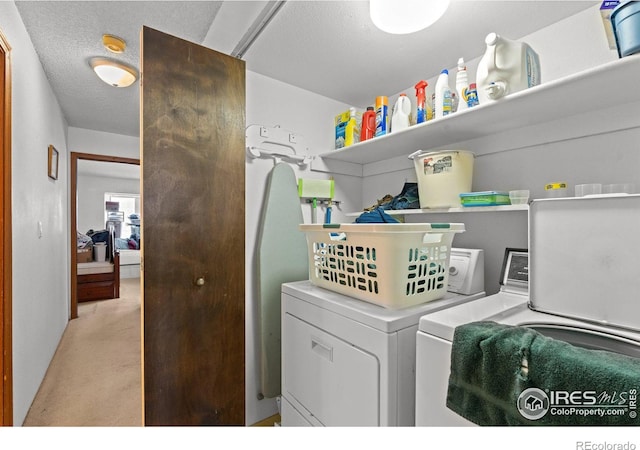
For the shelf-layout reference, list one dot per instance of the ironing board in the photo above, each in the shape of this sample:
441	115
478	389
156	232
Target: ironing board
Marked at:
282	257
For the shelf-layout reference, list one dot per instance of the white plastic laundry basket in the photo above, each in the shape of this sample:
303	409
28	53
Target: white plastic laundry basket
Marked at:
391	265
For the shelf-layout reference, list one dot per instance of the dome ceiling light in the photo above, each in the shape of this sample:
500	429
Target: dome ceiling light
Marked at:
113	73
406	16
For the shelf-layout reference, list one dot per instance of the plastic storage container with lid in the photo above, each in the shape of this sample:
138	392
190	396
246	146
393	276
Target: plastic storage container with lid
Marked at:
625	21
487	198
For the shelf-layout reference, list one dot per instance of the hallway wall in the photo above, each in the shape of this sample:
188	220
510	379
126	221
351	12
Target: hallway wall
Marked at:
40	264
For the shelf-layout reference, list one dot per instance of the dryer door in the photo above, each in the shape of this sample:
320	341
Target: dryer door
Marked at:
335	381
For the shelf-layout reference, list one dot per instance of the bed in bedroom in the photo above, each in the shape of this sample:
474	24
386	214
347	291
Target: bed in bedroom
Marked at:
98	280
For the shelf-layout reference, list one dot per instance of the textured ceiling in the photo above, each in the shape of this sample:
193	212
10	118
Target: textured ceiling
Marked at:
67	34
327	47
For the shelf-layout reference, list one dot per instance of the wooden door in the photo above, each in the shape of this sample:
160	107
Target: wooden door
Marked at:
193	158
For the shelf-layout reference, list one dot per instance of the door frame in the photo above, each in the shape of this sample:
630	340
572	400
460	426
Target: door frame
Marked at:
6	359
73	206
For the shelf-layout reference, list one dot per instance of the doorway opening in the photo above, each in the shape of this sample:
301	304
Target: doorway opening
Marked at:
75	158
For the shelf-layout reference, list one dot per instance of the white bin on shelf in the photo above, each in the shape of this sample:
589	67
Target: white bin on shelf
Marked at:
443	176
391	265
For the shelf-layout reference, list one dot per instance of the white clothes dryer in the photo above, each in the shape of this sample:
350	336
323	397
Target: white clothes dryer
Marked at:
582	275
346	362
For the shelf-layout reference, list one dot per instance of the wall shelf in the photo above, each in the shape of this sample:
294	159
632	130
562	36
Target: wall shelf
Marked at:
604	86
462	209
465	209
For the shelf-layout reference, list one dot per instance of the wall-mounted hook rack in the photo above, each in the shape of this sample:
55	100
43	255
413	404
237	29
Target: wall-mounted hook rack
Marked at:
276	143
257	152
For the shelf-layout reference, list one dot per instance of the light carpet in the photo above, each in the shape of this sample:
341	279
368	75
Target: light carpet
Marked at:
94	378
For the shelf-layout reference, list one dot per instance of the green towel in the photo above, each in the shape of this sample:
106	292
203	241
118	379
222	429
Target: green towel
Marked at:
505	375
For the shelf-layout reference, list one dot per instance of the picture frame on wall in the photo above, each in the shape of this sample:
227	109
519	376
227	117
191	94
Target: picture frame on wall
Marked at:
53	162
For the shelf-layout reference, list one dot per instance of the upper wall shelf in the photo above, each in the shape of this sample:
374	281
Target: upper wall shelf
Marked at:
604	86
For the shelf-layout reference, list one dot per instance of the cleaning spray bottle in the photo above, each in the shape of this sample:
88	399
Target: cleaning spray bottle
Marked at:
421	100
401	112
462	86
443	95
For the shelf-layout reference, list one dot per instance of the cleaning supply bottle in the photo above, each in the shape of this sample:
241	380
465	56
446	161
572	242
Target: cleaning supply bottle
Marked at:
432	106
421	100
507	66
401	113
443	95
351	134
462	86
368	128
472	96
382	115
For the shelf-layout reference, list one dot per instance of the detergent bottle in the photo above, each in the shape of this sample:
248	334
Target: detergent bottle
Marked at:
351	131
462	86
442	95
382	115
401	114
506	67
368	127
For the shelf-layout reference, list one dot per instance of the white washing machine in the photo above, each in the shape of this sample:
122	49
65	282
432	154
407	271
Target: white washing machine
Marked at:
583	288
346	362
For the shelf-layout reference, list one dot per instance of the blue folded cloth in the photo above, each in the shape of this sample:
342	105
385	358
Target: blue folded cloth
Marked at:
505	375
376	216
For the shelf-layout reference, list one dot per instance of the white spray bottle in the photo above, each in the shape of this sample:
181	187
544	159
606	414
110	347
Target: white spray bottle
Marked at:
462	86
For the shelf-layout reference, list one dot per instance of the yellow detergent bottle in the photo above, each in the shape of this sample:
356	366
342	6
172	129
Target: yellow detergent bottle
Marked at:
351	134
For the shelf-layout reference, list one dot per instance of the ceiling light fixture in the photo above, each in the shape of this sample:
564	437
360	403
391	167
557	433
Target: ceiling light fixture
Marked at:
406	16
113	73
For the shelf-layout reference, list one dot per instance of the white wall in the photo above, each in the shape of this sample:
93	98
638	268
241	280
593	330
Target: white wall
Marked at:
271	103
91	190
95	142
40	264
